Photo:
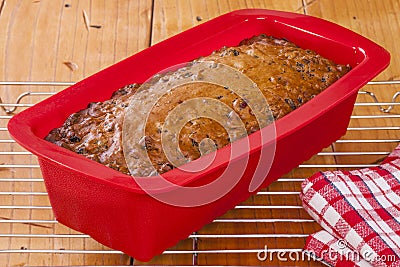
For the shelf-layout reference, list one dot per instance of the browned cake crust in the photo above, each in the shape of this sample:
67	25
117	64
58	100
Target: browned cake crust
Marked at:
287	75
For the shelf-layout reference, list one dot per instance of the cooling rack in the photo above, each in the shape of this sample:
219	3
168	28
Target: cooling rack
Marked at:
272	221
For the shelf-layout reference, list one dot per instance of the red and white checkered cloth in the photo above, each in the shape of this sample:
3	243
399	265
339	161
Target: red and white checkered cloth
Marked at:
394	155
331	251
361	207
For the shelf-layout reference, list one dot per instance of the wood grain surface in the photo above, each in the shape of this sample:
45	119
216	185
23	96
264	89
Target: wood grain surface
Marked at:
51	40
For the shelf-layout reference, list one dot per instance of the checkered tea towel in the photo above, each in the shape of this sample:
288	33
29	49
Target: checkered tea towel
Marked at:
361	207
331	251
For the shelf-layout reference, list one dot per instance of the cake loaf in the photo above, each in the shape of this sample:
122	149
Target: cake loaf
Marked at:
287	75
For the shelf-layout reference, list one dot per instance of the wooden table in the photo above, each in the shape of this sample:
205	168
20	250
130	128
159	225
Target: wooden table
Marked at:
37	38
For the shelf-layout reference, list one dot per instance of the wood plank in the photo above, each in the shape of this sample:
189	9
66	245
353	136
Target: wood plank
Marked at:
174	16
376	20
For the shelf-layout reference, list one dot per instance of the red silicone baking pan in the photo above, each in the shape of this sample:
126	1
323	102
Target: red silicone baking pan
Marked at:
113	209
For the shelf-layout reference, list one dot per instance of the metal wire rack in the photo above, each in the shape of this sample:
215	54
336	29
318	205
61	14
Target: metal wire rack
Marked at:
273	217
